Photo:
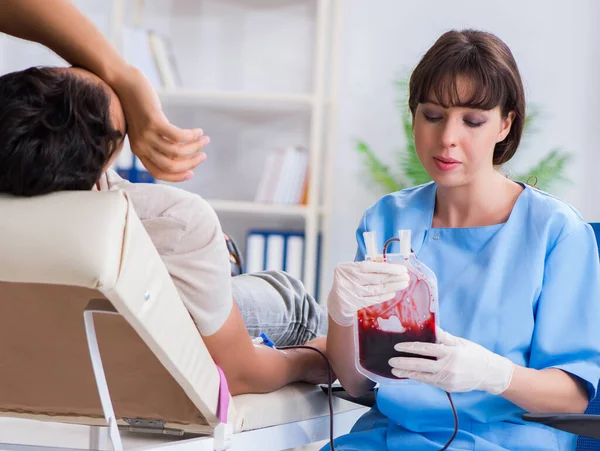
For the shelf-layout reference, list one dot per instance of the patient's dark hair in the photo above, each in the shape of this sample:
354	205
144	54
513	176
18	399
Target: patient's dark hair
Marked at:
56	132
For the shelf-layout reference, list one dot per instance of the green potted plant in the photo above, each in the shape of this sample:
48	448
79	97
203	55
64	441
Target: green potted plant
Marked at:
546	174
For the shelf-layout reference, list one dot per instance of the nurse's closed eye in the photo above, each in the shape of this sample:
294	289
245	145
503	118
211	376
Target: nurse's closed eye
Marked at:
431	117
474	122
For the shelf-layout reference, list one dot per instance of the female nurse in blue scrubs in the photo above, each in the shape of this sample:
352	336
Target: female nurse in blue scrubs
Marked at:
517	269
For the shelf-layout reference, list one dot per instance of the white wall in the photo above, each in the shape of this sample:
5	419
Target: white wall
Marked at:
556	47
16	54
555	43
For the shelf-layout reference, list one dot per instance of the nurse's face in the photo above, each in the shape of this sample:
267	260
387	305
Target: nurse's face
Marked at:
456	145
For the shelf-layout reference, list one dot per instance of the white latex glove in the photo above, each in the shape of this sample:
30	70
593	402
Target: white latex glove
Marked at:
362	284
461	365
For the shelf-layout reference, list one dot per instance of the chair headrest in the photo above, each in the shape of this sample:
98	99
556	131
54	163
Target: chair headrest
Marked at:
67	238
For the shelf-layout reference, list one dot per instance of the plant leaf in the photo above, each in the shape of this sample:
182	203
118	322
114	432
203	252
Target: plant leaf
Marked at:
376	171
548	172
531	119
413	170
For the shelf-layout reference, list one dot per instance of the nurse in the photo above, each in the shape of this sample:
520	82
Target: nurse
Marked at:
517	269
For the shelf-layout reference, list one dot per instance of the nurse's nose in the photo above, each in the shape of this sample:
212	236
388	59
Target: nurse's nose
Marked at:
450	133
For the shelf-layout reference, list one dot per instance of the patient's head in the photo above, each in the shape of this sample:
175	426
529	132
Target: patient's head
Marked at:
59	130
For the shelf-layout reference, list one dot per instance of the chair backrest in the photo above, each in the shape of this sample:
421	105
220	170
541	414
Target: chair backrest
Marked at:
584	443
59	252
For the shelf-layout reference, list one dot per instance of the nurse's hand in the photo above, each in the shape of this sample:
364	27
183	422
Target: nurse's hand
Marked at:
461	365
357	285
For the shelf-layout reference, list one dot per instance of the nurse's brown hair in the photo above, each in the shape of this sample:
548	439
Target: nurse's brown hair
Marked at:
488	65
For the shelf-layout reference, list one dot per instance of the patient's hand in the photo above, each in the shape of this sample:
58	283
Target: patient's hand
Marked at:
168	152
316	370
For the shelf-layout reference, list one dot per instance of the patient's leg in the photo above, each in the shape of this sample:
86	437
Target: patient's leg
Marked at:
277	304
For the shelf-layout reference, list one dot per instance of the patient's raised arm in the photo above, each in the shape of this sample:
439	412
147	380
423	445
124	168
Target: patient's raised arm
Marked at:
168	152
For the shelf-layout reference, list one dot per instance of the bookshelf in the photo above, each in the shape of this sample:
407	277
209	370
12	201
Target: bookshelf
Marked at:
240	95
236	98
259	208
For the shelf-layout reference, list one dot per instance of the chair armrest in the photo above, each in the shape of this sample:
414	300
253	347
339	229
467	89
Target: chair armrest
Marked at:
581	424
367	400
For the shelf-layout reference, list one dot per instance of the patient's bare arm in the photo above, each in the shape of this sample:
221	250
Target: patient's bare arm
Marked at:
259	369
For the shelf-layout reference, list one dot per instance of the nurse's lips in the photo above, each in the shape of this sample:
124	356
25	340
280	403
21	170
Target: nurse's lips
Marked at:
446	164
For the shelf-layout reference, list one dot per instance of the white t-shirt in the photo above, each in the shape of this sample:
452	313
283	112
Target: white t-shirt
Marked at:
187	234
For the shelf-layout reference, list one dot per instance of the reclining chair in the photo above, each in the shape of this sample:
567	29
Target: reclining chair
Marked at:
137	362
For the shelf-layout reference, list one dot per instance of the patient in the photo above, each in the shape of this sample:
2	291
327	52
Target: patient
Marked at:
61	129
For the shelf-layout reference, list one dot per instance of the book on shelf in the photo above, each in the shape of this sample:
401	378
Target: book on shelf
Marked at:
137	52
165	60
152	53
284	178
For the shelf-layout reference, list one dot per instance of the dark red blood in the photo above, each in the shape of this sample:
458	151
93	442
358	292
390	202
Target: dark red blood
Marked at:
376	347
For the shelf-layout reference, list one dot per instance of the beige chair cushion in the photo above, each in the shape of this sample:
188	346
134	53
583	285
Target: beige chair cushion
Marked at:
294	402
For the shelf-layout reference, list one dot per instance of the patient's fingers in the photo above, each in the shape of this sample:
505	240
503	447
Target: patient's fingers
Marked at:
178	135
179	149
169	169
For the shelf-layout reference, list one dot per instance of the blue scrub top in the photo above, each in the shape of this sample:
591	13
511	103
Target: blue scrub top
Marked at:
528	289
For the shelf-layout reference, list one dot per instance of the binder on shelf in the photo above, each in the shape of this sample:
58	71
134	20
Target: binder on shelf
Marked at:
128	166
275	250
294	255
279	250
255	252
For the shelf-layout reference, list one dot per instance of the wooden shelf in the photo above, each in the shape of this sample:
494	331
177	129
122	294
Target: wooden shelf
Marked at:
258	208
240	99
312	112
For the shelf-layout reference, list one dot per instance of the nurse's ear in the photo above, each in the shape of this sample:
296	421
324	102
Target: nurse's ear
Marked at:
505	125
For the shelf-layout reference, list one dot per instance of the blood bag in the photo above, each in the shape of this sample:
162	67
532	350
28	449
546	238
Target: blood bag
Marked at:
412	315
